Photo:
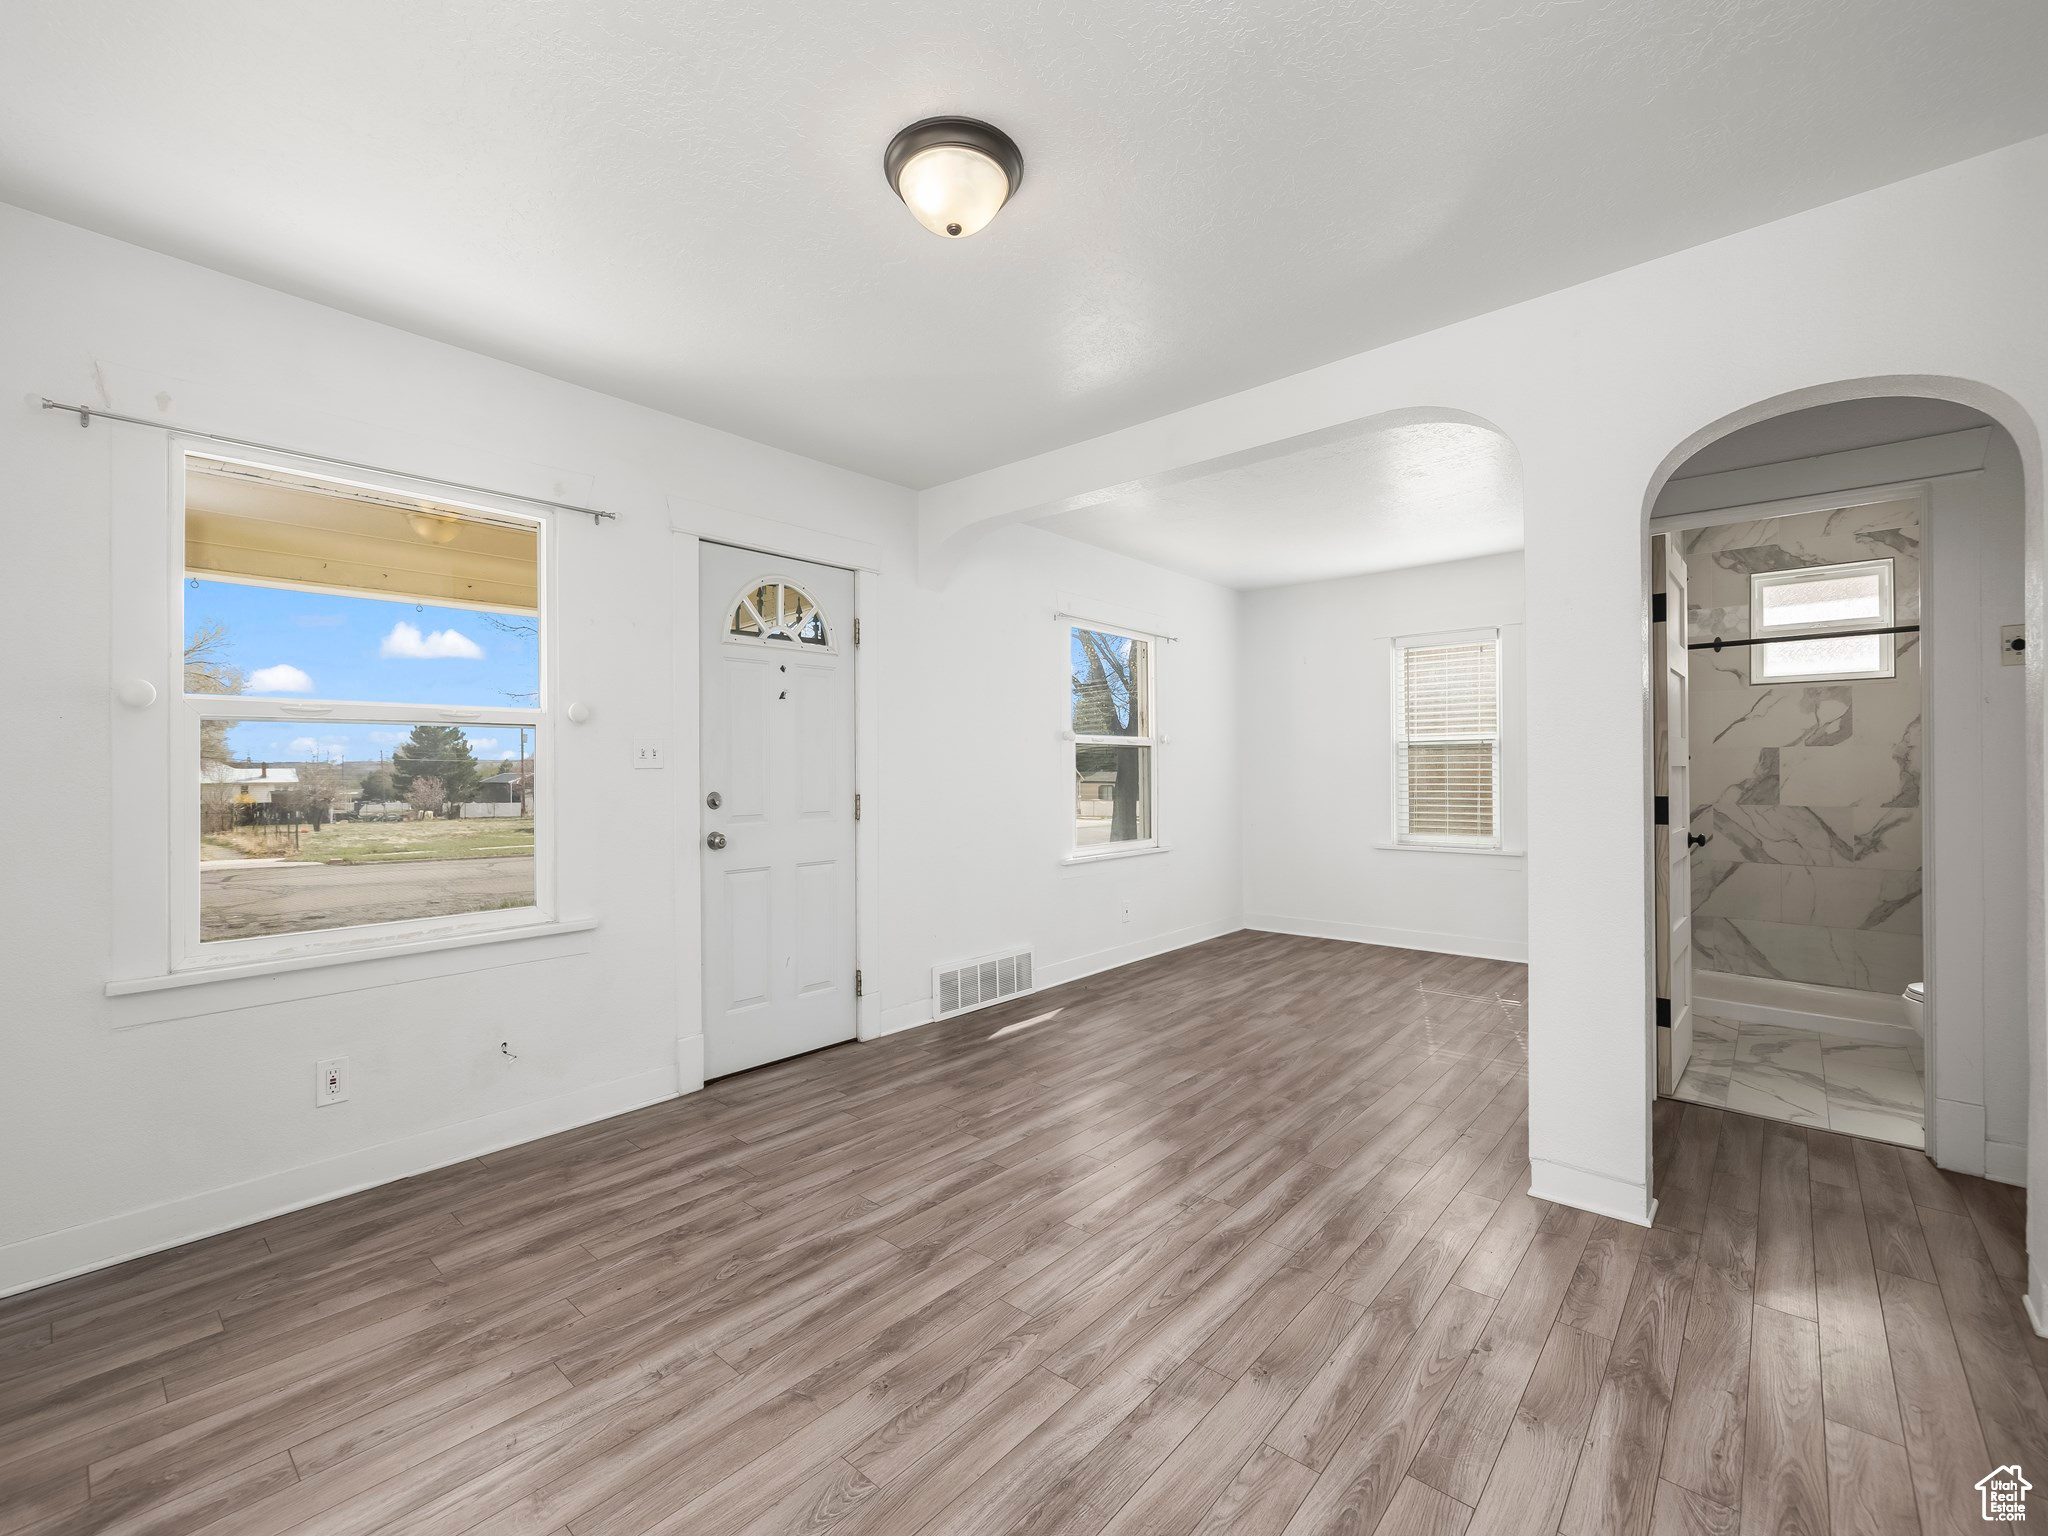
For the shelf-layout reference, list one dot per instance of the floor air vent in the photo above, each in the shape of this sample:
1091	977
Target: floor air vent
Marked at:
959	988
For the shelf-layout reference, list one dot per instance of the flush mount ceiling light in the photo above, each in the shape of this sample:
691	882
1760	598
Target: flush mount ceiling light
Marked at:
434	527
953	173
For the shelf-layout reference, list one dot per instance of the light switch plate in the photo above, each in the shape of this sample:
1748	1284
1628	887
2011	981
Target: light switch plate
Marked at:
648	754
2012	645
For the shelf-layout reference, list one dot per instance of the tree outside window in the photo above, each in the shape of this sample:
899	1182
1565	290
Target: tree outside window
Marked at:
1110	712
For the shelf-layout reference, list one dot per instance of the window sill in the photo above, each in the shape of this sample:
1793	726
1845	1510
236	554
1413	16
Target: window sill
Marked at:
1098	856
1480	853
285	965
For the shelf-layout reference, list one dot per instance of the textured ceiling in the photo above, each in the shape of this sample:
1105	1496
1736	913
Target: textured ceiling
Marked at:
682	204
1376	498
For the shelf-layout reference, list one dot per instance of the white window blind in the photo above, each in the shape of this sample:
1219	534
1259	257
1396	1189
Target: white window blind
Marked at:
1447	742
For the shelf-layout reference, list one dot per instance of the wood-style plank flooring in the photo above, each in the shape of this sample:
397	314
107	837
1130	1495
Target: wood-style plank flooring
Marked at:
1237	1241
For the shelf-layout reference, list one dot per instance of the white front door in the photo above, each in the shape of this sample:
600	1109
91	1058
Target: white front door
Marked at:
1674	787
776	664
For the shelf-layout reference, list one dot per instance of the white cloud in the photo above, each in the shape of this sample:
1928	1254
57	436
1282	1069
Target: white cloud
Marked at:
389	738
282	678
305	744
406	640
482	743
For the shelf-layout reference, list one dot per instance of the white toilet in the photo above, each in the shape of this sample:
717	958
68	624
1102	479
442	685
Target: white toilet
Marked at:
1915	999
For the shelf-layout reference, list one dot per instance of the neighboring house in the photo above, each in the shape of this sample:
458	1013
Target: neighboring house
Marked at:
1095	793
500	789
243	783
502	794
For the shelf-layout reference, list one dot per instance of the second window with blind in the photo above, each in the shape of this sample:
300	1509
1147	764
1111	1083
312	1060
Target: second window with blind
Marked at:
1447	740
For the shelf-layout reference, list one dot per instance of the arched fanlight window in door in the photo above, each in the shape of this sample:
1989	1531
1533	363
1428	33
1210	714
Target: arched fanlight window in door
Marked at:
773	612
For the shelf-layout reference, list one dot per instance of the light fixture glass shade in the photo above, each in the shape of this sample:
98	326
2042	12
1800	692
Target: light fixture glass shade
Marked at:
953	190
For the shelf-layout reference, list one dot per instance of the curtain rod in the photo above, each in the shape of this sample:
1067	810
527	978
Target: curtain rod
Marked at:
1717	643
87	413
1085	619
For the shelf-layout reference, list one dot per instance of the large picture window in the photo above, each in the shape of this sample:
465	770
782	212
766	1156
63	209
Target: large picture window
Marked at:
364	715
1110	703
1447	741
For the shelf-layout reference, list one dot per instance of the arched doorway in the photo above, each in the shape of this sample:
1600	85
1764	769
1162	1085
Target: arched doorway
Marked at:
1856	805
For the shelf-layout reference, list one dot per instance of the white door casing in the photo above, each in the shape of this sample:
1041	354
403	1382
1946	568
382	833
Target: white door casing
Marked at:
1673	783
776	750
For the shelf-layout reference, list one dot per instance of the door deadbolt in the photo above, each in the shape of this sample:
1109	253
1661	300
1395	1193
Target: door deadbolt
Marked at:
714	799
715	840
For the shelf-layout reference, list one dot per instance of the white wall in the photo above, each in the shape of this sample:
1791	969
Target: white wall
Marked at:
1976	855
1972	582
114	1139
975	676
130	1123
1316	763
1929	286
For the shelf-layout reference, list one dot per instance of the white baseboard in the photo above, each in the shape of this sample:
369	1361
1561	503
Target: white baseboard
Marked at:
1585	1190
1959	1140
2006	1161
1874	1016
1476	946
892	1021
689	1063
52	1256
1058	972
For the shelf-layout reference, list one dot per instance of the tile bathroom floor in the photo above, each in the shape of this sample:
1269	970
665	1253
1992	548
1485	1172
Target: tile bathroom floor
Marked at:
1807	1077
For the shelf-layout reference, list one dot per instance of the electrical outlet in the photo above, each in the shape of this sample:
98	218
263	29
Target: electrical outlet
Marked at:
330	1082
1127	909
647	754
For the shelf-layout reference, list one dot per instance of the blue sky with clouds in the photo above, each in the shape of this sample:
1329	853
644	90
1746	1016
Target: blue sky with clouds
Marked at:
310	645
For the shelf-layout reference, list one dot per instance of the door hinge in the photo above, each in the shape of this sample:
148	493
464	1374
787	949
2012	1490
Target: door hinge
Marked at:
1656	607
856	984
856	807
856	629
1663	810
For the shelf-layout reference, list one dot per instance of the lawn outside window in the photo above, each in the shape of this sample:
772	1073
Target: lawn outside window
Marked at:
362	716
1111	706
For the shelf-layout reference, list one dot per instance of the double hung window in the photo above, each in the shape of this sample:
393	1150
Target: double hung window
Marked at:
363	724
1110	705
1447	741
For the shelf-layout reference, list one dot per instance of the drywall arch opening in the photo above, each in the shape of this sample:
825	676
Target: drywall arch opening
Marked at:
1412	486
1936	479
1361	556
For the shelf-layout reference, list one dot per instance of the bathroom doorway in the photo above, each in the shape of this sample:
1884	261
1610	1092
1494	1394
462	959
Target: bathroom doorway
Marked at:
1800	905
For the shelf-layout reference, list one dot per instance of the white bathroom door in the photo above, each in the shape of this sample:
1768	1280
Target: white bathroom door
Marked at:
1673	701
776	665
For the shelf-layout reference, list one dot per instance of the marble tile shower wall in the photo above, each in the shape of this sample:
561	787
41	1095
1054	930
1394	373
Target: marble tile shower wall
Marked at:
1809	793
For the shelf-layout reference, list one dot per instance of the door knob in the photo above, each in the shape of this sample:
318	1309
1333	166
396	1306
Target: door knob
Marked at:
1697	839
715	840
